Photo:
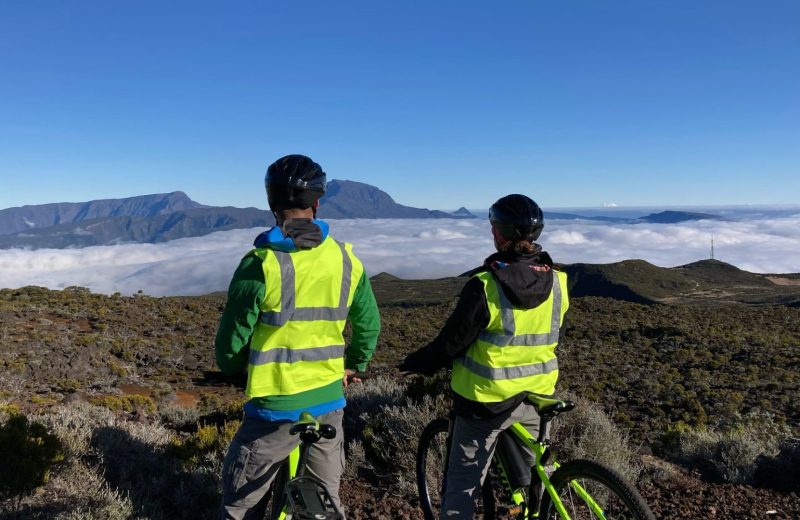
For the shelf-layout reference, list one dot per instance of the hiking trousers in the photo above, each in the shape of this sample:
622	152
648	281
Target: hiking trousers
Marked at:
471	450
255	455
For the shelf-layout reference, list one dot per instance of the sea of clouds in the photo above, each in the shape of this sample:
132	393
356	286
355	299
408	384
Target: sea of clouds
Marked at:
419	248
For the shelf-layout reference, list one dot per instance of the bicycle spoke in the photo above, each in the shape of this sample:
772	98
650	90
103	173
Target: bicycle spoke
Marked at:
589	491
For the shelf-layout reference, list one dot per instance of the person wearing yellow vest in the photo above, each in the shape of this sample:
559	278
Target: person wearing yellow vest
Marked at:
283	322
500	340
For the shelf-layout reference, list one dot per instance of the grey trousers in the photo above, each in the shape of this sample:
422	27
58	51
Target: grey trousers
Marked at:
471	451
254	458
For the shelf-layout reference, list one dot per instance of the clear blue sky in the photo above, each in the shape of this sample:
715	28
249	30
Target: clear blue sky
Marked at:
441	104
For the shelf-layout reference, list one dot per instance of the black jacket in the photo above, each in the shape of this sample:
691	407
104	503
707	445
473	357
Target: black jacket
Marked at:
525	279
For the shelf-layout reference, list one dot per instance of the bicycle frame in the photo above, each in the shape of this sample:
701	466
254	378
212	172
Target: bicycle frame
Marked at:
541	453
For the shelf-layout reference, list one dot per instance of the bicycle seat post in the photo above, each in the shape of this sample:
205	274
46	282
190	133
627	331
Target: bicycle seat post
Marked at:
544	432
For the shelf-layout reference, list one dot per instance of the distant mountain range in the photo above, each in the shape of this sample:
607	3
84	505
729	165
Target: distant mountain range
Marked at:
663	217
167	216
25	218
706	280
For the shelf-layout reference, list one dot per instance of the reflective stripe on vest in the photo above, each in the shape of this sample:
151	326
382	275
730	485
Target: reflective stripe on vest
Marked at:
298	343
501	362
288	310
509	336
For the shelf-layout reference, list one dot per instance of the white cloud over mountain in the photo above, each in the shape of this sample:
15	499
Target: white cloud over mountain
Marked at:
429	248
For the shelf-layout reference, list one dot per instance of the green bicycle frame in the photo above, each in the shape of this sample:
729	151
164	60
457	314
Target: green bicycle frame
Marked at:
538	449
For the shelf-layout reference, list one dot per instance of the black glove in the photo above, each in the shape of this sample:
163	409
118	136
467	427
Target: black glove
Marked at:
417	362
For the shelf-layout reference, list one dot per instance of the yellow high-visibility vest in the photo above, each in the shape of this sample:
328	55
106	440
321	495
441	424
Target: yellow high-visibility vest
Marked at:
516	351
298	344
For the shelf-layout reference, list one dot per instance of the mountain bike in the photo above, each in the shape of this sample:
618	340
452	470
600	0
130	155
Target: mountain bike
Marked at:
578	489
295	495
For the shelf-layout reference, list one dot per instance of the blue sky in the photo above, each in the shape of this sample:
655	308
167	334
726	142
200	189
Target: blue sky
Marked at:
441	104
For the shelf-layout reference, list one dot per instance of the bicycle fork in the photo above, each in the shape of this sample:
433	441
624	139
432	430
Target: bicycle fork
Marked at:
540	480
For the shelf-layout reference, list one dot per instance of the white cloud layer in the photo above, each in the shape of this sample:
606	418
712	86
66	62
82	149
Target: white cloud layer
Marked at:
405	248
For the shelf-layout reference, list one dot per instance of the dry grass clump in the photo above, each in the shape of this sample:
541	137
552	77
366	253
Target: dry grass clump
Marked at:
178	417
79	492
733	452
384	419
587	432
119	468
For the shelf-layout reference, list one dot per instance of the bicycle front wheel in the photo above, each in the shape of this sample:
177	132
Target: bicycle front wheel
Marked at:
590	490
431	474
431	467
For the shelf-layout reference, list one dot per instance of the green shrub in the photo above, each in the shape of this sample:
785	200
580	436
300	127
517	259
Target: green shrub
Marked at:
125	403
209	439
728	453
27	452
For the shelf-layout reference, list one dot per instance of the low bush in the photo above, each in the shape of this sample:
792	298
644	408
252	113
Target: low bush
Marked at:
384	419
208	440
127	468
587	432
125	403
730	452
27	452
391	437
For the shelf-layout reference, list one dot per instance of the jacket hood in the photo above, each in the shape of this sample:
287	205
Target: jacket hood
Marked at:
526	280
296	234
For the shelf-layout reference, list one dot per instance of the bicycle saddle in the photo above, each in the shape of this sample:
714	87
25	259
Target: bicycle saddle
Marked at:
547	408
310	430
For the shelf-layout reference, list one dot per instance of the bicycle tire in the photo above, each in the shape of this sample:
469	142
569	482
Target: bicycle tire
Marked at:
617	497
431	466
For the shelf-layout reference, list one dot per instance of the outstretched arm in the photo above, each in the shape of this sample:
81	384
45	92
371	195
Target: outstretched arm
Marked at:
468	319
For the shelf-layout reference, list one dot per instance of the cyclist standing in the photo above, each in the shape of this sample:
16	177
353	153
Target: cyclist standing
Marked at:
501	341
283	322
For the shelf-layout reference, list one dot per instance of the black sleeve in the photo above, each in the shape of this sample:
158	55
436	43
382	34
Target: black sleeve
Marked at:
563	330
468	319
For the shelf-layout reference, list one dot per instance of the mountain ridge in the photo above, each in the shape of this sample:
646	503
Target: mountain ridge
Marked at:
636	281
169	216
24	218
352	199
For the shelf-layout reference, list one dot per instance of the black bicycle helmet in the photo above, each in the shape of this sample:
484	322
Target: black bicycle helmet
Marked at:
517	217
294	181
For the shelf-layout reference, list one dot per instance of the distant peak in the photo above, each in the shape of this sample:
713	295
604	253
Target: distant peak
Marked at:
463	212
384	276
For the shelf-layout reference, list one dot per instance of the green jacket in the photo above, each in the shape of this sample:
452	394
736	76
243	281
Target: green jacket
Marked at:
238	321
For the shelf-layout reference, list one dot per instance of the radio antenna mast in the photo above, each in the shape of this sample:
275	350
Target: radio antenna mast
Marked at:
712	246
